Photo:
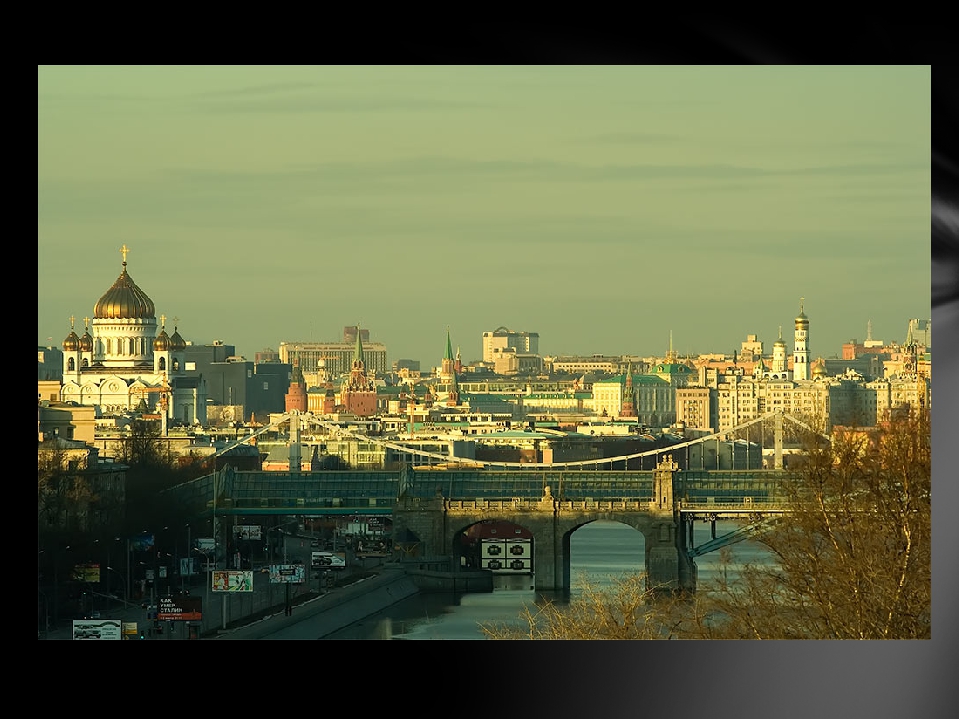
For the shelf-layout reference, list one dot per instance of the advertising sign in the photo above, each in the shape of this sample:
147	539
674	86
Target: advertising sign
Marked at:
96	629
328	560
187	566
293	573
89	572
128	629
142	542
249	532
232	581
206	544
182	607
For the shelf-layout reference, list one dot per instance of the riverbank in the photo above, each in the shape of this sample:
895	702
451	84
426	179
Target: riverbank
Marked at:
320	615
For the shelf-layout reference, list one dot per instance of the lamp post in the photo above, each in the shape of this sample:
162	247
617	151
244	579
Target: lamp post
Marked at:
189	556
124	584
206	590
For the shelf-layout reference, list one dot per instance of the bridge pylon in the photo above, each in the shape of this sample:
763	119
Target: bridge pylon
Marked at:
778	441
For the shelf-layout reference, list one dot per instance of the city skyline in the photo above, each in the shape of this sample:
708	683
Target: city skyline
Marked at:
605	208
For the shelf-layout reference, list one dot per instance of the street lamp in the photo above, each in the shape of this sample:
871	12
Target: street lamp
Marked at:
124	585
206	590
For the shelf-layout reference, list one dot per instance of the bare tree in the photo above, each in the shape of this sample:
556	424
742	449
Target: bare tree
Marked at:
625	611
852	556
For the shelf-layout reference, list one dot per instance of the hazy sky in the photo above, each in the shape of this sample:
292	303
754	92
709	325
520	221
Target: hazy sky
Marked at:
600	206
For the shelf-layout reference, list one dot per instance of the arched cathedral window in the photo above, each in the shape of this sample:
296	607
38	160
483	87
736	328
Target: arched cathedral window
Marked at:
71	365
163	364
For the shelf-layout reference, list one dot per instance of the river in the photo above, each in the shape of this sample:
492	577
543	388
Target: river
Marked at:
599	552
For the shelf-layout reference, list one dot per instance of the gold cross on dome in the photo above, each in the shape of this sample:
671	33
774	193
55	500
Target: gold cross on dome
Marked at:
163	321
86	322
123	251
72	321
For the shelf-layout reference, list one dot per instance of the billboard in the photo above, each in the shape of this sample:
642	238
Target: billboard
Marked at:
89	572
328	560
206	544
232	581
249	532
182	607
96	629
142	542
293	573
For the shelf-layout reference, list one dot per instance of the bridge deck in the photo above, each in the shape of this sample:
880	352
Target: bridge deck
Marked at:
375	492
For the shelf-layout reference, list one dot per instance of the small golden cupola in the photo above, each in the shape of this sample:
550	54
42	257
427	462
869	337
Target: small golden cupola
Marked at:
176	341
71	343
819	368
162	341
86	341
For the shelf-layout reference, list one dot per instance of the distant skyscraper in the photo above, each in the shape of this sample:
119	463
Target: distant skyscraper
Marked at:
350	334
501	339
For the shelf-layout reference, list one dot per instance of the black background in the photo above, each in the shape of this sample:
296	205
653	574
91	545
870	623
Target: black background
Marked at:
594	679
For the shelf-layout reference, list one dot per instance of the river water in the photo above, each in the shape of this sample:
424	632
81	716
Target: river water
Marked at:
599	552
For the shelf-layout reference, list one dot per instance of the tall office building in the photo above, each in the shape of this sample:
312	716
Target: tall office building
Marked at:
502	339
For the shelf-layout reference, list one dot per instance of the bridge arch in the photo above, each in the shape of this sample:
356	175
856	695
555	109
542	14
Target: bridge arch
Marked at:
633	523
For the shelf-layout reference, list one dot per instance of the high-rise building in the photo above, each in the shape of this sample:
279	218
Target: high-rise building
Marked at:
503	339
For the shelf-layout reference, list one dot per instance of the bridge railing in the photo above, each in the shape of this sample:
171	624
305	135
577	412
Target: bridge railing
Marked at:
524	504
746	505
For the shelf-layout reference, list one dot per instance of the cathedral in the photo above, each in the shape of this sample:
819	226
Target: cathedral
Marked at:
122	362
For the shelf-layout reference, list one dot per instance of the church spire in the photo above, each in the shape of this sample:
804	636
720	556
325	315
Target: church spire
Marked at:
358	350
449	354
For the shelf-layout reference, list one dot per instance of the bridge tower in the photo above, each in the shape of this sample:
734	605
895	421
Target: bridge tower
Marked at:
669	567
778	441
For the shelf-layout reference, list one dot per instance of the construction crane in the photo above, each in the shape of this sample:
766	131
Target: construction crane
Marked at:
164	390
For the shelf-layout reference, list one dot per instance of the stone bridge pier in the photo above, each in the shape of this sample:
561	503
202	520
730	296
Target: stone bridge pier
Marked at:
436	521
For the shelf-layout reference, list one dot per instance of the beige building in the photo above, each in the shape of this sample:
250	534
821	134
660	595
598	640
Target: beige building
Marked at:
822	401
502	339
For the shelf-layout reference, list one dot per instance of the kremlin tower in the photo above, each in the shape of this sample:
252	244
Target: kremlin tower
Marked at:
358	395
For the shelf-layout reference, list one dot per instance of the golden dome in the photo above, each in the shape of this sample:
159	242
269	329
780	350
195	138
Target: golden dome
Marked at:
176	341
819	367
162	342
72	342
124	300
86	342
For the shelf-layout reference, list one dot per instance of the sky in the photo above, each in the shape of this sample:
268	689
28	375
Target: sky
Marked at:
604	207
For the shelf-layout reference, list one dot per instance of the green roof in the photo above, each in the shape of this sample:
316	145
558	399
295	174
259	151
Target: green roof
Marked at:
637	380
